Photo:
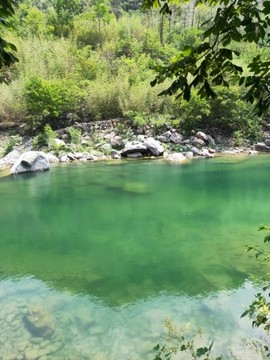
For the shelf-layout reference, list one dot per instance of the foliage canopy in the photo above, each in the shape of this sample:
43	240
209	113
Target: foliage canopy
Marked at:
6	49
214	61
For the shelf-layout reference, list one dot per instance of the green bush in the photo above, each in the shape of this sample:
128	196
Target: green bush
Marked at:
226	115
75	135
45	137
47	100
9	146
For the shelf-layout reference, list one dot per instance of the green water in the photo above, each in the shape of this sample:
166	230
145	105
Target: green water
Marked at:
128	244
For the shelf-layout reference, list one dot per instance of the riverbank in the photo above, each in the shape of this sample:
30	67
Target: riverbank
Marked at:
118	139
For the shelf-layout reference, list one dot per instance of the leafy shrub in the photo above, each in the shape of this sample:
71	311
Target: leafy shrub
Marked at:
47	100
102	98
190	115
87	63
9	146
88	35
226	114
45	137
75	135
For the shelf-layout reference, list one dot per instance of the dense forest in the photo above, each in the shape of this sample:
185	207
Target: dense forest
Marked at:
86	60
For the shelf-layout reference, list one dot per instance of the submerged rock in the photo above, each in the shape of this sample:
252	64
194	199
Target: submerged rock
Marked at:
32	355
31	161
39	322
136	187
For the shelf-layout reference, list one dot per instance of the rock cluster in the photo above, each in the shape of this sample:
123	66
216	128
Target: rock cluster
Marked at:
113	140
34	327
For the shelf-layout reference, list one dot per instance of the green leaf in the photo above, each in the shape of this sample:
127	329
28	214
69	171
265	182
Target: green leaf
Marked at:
245	313
187	50
201	351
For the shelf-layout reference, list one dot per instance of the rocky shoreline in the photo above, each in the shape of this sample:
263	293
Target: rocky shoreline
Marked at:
113	140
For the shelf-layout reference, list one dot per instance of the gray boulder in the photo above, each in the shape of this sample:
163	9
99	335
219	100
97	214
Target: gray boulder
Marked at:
262	147
115	155
163	139
189	154
201	135
71	156
10	158
52	158
30	161
90	157
117	142
167	134
186	142
109	135
140	138
78	155
195	150
64	158
106	148
134	148
197	142
267	142
176	138
211	141
154	146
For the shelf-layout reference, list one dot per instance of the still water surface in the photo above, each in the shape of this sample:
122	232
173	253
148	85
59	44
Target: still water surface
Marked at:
109	250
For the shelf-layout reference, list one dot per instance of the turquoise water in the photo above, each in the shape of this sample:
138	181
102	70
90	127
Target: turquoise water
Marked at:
110	249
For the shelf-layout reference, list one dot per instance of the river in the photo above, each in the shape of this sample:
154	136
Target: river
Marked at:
104	252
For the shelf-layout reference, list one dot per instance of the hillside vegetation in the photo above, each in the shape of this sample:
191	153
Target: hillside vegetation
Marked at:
87	60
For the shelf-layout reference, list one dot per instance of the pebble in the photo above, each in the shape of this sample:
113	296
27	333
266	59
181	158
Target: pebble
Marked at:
32	355
11	318
96	330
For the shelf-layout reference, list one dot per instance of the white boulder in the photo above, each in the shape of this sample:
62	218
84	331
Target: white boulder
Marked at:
154	146
30	161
